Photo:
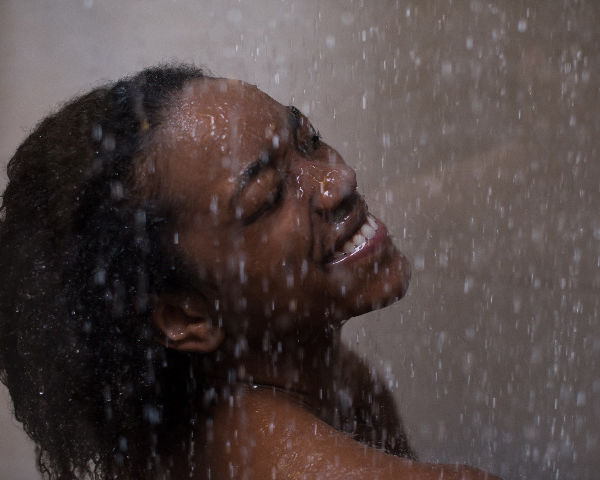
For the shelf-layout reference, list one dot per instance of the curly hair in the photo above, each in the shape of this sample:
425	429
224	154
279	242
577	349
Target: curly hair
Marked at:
81	254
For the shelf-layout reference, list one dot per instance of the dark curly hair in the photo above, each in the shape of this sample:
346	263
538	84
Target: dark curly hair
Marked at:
81	254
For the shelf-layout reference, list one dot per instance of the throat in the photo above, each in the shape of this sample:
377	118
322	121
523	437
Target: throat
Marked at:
303	371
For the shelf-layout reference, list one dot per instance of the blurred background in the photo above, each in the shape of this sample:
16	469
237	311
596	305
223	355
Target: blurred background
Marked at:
474	128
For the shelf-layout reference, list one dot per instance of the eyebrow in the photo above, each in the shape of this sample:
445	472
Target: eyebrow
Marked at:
295	119
265	160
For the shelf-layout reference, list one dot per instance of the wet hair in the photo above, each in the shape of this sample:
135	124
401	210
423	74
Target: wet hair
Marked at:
81	254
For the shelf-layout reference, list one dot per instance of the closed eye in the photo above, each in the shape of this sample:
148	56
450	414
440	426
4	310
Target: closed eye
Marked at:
271	201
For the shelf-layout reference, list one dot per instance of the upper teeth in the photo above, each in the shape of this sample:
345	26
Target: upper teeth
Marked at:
364	233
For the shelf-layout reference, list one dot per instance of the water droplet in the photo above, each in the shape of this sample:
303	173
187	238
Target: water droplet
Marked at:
522	25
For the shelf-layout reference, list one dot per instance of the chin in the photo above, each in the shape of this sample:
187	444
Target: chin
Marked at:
385	289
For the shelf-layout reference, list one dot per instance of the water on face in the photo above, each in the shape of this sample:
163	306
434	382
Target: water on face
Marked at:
473	129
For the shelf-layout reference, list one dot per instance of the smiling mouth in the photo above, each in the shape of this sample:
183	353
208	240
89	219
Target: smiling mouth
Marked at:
366	238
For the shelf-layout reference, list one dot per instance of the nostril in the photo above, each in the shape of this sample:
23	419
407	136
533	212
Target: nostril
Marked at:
347	205
335	187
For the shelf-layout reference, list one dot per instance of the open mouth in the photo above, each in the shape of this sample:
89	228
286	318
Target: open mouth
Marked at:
366	238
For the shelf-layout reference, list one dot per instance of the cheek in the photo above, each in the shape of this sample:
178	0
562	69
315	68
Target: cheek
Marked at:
281	239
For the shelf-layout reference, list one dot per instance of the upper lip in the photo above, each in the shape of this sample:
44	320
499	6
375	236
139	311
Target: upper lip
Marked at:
349	217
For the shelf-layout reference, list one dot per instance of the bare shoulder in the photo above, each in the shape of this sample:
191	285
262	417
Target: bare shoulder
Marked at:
268	434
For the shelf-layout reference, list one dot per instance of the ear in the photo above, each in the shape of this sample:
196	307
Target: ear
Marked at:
183	324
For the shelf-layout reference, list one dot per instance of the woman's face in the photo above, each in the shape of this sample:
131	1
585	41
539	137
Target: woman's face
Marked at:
269	215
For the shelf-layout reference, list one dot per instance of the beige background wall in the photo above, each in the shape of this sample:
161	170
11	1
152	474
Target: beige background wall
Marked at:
474	129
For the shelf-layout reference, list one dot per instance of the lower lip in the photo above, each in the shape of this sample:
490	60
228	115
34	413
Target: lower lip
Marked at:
366	248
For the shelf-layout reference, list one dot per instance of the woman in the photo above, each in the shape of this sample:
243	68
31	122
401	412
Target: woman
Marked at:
178	253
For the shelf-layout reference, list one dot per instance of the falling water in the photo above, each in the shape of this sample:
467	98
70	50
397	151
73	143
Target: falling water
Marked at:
473	128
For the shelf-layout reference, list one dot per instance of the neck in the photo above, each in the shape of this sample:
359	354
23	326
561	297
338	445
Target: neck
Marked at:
285	364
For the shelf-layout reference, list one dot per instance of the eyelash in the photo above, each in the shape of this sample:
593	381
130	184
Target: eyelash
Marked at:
271	202
311	144
316	140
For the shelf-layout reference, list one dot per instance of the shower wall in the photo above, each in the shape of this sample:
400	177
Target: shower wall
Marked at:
474	130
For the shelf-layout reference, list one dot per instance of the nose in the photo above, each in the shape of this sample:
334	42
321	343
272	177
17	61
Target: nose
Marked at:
327	179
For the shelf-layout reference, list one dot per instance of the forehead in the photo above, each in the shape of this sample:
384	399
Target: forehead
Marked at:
214	129
207	105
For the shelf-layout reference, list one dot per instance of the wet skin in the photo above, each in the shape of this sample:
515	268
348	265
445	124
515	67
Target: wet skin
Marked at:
262	205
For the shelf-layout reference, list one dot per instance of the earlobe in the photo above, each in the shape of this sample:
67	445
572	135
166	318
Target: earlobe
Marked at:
184	327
